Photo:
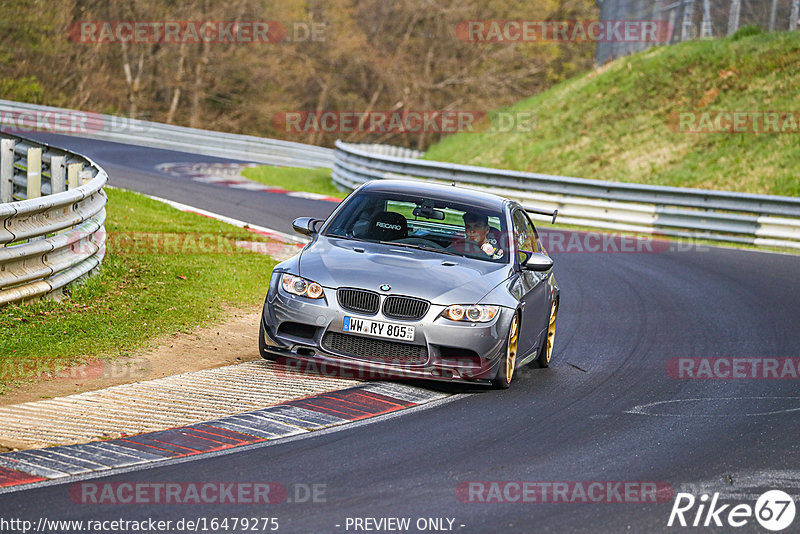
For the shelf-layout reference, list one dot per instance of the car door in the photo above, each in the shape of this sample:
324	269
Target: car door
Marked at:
533	287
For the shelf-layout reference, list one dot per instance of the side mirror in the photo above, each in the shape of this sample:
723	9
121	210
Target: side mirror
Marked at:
305	225
536	261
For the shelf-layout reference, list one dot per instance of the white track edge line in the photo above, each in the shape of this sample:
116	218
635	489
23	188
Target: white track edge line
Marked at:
217	216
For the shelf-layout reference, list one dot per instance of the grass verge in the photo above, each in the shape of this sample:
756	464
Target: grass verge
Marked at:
622	122
296	179
165	271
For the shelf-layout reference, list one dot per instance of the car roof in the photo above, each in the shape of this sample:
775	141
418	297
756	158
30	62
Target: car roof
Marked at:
447	193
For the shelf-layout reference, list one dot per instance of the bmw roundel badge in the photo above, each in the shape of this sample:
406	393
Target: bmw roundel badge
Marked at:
385	287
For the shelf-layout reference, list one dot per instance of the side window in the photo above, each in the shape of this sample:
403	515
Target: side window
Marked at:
534	234
524	235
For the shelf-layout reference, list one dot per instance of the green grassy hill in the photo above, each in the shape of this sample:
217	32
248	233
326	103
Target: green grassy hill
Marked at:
620	123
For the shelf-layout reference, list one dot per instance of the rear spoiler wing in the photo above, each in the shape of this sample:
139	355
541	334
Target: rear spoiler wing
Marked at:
551	213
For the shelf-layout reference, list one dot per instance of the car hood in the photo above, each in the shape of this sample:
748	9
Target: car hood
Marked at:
439	278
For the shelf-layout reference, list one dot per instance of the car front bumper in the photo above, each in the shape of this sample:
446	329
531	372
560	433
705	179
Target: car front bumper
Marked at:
310	331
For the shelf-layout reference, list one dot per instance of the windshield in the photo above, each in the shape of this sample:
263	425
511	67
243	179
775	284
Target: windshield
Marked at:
441	226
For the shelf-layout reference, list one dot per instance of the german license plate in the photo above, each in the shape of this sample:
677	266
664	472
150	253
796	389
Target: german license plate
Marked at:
378	328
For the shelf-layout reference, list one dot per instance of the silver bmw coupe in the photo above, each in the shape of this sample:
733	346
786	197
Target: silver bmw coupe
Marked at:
408	279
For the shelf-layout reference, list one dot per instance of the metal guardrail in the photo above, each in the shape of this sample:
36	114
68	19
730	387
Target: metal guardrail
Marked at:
20	115
52	211
682	20
762	220
671	211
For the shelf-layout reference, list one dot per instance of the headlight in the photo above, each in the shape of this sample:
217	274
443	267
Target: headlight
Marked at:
300	286
477	313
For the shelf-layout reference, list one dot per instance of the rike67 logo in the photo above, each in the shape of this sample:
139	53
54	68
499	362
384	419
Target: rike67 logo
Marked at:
774	510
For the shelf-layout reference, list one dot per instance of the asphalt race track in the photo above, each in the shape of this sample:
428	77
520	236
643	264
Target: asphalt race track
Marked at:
623	316
134	168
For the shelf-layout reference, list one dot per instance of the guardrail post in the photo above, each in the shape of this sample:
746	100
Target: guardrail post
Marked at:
772	15
705	27
6	170
687	28
733	17
73	172
57	167
34	172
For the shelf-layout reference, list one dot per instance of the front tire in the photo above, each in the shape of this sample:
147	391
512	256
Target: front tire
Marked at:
546	349
507	366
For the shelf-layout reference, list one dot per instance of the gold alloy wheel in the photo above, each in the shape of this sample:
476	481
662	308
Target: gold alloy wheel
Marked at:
511	351
551	332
